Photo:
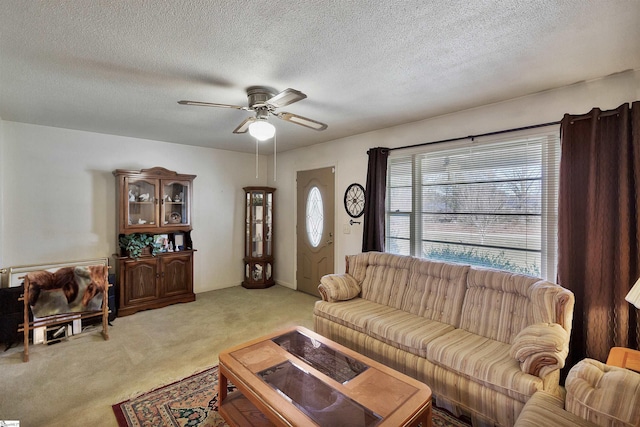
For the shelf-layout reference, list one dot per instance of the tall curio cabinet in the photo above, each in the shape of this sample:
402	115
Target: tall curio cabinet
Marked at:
156	204
258	238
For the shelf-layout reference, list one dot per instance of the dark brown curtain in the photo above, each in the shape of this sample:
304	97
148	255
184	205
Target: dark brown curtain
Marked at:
374	201
598	227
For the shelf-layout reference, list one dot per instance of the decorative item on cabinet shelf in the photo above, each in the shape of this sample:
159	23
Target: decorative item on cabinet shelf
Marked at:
258	199
173	242
175	218
176	199
137	244
179	241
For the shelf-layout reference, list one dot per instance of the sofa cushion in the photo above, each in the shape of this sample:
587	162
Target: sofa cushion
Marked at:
603	394
436	290
483	360
406	331
357	265
385	279
497	304
354	313
338	287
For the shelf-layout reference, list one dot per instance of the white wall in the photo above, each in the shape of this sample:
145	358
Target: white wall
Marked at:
59	197
349	155
57	192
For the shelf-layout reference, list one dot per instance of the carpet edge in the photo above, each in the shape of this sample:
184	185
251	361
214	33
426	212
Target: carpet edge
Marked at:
121	418
119	414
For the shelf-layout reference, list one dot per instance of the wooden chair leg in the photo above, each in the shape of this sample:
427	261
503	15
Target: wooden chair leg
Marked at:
105	313
25	296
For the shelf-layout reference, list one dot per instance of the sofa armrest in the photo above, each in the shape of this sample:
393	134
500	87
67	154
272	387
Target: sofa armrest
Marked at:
545	409
603	394
541	348
338	287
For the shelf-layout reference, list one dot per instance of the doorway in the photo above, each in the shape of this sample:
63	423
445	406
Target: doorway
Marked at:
315	227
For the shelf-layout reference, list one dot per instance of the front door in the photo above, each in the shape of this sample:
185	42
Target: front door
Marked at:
315	214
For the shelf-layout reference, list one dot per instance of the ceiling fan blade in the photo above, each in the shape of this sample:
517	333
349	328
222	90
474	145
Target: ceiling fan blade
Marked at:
210	104
303	121
244	126
286	97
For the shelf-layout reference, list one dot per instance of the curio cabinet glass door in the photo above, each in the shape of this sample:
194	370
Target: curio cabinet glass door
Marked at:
258	256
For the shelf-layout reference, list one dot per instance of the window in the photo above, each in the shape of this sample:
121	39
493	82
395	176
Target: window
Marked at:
487	202
315	217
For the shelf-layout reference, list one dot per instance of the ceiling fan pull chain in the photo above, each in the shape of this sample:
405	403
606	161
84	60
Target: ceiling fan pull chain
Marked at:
256	158
275	139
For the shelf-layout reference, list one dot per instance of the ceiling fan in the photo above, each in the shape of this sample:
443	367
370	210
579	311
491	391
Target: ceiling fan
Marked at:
264	103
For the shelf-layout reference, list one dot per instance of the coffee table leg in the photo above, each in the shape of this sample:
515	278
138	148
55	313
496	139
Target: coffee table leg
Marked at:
424	420
222	387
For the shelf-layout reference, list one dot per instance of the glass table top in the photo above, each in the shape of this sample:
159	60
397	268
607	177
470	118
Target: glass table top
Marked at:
330	362
316	399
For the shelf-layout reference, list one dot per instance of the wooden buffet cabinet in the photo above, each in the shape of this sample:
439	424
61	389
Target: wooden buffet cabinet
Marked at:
155	202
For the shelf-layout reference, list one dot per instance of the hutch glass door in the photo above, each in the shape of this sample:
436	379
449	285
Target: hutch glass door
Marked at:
141	209
175	203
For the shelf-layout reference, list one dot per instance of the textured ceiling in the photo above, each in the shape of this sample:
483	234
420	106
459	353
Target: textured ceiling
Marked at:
119	67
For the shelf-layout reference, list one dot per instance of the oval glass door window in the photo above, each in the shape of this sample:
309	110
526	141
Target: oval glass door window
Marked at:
315	217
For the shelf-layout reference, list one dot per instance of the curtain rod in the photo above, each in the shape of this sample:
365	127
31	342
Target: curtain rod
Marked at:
590	115
472	137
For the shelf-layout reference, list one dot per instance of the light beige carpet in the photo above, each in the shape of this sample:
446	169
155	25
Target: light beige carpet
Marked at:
74	383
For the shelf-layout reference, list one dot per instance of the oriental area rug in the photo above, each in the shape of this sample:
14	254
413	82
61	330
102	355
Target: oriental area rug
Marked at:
193	402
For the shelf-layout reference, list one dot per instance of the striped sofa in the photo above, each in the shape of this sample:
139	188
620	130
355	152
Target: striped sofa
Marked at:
484	340
596	395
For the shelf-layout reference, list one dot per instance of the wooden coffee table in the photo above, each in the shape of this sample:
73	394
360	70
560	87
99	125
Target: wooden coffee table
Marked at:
296	377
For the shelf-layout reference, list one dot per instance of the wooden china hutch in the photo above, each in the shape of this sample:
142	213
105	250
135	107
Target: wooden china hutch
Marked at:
258	238
154	203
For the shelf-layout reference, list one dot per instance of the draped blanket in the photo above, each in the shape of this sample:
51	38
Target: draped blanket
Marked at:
66	290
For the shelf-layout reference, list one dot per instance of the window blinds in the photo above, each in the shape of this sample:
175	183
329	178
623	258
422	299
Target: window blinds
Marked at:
490	202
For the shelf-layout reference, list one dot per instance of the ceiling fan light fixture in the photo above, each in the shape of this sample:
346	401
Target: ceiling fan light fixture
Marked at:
262	130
